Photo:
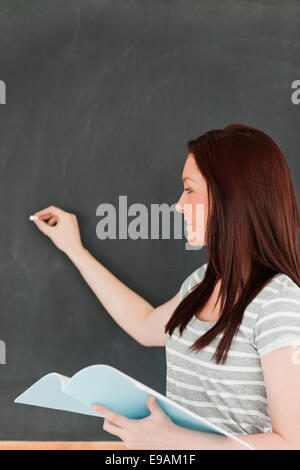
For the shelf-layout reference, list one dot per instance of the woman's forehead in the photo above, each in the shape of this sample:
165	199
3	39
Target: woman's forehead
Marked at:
191	170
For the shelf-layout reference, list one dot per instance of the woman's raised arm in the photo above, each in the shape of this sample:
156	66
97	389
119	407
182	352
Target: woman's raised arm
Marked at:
130	311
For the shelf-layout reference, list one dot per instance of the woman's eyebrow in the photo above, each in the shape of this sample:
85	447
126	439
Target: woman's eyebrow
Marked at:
188	178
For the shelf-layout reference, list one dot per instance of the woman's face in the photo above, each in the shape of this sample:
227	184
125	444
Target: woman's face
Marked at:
193	203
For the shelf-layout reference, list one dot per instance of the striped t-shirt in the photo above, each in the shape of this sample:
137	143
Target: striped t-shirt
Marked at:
233	395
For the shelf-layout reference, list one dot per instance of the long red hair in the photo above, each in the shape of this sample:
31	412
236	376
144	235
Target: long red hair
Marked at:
254	218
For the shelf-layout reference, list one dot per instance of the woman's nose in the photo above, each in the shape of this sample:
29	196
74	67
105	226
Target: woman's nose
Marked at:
179	207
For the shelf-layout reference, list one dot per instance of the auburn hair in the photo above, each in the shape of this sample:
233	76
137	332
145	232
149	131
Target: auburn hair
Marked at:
253	217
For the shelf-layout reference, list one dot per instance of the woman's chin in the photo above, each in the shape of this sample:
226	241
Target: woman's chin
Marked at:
192	240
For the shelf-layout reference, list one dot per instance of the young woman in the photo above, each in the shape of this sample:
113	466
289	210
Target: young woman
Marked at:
232	332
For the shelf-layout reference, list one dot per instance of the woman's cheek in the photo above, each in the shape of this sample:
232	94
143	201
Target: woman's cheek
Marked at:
198	221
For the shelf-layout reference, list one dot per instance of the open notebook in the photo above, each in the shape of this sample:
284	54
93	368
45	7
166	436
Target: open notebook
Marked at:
109	387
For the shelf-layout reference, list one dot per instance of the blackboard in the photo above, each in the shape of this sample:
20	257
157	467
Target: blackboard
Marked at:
101	97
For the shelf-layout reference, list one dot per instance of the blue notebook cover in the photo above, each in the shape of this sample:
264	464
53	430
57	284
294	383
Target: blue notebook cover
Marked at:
117	391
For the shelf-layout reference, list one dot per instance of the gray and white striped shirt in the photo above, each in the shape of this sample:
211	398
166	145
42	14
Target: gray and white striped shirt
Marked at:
233	395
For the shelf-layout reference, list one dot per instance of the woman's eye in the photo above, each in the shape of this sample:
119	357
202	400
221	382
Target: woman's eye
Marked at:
187	190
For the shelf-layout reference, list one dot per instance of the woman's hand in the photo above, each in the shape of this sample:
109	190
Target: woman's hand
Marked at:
61	227
157	431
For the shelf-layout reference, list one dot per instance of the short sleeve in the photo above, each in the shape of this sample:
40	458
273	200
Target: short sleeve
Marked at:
192	280
278	322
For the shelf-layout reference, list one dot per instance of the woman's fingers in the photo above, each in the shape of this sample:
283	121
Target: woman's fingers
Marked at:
52	221
50	214
51	210
43	227
112	428
45	216
61	227
113	417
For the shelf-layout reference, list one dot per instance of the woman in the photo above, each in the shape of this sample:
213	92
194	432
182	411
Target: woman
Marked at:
231	332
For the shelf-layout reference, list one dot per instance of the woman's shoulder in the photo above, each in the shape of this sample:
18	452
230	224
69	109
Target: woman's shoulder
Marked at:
281	289
278	321
192	279
285	282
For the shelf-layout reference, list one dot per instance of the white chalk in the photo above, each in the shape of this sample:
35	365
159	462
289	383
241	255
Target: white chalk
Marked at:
33	217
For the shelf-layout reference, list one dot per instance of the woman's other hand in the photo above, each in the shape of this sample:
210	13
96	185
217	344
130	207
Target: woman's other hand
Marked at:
156	431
